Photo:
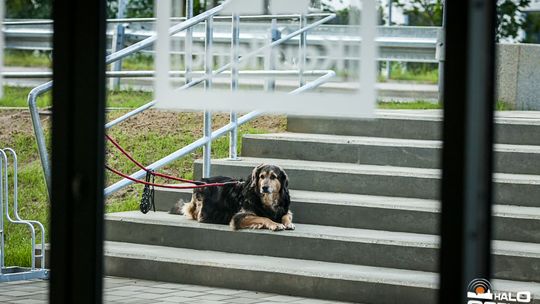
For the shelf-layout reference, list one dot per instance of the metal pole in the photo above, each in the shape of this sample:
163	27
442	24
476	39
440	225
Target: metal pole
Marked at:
209	59
207	150
235	45
269	60
388	63
1	219
302	48
188	57
441	53
121	9
118	43
38	131
209	65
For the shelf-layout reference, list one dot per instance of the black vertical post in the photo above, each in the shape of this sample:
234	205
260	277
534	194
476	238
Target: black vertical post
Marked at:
467	147
77	151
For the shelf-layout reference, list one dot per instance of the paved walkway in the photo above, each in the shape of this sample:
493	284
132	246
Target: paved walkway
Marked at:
121	290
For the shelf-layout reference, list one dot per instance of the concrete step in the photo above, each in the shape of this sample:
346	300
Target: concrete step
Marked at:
520	159
334	281
510	189
512	260
512	127
511	223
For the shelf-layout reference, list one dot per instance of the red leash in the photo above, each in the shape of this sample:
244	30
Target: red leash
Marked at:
196	184
168	186
144	168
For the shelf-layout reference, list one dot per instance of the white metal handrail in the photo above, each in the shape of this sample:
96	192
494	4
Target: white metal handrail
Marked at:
207	78
214	135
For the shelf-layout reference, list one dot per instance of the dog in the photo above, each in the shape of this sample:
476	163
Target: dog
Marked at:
261	201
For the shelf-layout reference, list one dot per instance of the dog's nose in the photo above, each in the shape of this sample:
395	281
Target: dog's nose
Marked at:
265	189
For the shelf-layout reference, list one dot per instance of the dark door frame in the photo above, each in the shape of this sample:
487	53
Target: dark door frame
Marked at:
77	151
467	156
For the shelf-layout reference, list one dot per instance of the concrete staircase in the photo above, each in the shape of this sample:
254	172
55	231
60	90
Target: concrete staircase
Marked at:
365	203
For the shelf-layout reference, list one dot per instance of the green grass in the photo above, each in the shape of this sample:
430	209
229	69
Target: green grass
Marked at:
413	105
503	106
424	76
426	105
18	97
43	59
138	62
23	58
128	98
414	72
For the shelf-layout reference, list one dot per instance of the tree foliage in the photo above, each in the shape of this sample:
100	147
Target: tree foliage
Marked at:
422	12
28	9
532	28
510	18
41	9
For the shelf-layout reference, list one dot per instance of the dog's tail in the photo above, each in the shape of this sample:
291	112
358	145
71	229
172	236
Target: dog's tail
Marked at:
178	208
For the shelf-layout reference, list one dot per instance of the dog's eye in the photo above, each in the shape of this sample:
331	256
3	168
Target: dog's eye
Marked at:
272	177
261	176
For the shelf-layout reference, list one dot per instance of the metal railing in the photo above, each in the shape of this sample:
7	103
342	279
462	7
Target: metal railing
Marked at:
14	273
396	43
206	78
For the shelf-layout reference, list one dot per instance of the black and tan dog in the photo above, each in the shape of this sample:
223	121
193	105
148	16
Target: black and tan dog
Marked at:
260	202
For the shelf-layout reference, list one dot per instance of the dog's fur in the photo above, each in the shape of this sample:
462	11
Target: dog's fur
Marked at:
260	202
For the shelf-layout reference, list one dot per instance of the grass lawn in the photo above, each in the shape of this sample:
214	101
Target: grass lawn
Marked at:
23	58
413	105
427	105
42	59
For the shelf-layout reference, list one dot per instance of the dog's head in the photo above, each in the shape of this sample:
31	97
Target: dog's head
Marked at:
269	180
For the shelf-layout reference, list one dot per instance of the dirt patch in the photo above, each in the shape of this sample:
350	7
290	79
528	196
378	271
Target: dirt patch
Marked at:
173	122
14	122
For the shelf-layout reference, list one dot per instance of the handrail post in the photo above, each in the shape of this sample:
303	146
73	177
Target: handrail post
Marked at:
118	43
2	245
235	45
440	53
269	60
188	54
209	66
38	131
302	47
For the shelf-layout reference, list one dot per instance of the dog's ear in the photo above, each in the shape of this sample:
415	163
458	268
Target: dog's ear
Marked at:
255	175
284	180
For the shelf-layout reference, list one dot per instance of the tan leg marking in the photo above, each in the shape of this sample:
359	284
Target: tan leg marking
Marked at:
192	210
287	221
257	222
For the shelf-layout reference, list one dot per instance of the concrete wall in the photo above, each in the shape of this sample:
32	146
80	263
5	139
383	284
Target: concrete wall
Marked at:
518	75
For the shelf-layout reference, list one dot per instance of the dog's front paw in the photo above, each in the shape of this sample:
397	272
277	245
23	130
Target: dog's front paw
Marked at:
290	226
276	227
